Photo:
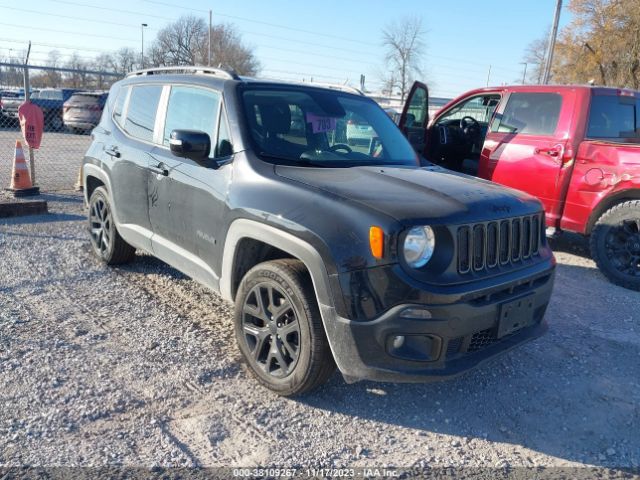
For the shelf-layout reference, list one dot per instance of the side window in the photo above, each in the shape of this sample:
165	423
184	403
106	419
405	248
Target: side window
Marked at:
141	114
224	148
118	107
614	117
530	113
417	111
480	108
191	108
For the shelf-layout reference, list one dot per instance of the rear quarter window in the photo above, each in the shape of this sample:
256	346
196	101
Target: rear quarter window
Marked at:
530	113
118	106
614	117
141	112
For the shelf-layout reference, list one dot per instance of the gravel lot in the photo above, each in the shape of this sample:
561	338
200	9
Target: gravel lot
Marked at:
57	161
137	366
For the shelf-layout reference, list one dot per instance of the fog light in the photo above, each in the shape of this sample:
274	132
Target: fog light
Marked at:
416	313
417	348
398	341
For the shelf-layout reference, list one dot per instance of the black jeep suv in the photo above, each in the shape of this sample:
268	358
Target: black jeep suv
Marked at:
355	256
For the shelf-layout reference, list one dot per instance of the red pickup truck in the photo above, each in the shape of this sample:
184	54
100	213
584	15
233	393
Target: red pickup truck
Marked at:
576	148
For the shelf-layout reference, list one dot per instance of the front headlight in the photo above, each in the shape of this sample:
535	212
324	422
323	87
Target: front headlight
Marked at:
418	246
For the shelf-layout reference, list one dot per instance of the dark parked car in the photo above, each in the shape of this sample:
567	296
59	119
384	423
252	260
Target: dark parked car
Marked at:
10	101
83	110
332	256
51	101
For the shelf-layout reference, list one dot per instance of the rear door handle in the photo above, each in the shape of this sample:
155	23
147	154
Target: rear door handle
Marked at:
160	169
112	151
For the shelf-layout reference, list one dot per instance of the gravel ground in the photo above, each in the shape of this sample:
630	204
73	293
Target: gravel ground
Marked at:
137	366
57	161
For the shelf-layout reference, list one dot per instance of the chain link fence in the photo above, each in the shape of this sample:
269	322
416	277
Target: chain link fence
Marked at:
72	103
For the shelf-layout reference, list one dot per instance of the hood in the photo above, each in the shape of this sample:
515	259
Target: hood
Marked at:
410	194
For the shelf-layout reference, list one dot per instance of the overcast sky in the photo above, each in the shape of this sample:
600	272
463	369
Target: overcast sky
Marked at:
329	40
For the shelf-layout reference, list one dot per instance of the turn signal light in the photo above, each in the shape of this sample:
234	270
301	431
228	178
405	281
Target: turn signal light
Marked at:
376	242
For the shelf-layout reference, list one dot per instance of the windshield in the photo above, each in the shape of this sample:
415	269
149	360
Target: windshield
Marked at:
304	126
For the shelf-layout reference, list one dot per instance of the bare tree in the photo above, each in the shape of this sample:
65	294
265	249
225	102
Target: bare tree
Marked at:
534	56
228	50
601	44
180	43
123	60
404	44
78	78
103	63
48	78
186	42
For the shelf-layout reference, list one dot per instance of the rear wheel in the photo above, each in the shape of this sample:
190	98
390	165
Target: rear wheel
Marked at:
105	239
279	330
615	244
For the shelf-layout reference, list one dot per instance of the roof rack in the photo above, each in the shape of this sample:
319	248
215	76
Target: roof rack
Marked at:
184	69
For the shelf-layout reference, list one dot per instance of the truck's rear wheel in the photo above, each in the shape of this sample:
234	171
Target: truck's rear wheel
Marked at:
615	244
279	330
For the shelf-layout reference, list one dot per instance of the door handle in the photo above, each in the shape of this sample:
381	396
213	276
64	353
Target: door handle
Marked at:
112	151
551	152
160	169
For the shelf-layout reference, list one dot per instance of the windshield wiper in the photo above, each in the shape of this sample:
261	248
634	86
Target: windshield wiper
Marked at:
292	161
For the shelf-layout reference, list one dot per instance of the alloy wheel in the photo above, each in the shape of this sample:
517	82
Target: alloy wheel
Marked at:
101	226
622	246
271	330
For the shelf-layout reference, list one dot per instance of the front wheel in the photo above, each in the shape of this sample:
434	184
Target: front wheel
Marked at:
615	244
279	330
105	239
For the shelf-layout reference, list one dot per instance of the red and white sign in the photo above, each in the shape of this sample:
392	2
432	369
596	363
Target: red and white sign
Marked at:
31	123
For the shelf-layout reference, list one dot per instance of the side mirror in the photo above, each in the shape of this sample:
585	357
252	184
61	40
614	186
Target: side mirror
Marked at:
191	144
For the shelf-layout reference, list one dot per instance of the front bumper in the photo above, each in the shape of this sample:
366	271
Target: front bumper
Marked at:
446	341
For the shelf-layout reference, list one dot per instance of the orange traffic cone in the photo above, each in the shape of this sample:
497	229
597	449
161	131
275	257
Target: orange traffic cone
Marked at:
20	179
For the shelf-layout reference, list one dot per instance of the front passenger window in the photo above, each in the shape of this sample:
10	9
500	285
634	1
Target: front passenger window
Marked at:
192	108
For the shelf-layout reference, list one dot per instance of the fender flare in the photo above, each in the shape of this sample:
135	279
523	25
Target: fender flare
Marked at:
92	170
342	349
244	228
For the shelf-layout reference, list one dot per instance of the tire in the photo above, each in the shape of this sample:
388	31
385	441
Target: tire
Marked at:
106	242
287	352
615	244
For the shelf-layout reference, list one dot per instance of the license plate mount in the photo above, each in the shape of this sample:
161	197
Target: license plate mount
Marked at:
515	315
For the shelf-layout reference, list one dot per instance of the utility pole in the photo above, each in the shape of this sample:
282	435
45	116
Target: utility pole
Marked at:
488	75
524	74
142	25
552	43
210	26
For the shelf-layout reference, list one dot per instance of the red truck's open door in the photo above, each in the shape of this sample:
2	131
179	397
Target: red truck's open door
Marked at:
415	116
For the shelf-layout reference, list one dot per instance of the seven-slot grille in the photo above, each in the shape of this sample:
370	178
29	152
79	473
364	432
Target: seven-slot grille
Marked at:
487	245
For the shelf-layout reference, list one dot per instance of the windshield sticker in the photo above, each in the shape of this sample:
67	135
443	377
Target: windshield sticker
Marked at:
321	124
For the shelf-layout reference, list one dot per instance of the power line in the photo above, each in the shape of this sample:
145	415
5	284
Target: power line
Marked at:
55	45
79	4
29	27
102	22
287	39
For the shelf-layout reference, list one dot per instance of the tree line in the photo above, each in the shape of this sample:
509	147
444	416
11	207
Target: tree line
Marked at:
183	42
600	45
